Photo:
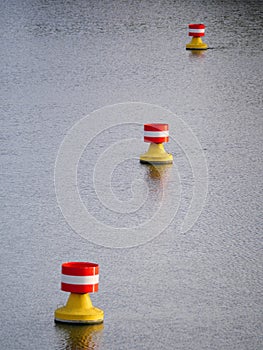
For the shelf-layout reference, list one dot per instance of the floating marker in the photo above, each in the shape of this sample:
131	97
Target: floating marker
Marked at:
196	31
80	279
156	135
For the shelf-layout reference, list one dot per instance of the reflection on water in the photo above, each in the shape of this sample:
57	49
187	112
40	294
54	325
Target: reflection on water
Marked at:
81	337
196	54
157	172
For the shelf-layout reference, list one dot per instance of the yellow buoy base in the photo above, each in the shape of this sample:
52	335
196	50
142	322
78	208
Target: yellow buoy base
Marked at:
156	154
196	44
79	309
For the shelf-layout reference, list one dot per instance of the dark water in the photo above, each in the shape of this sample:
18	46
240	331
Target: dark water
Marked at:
60	61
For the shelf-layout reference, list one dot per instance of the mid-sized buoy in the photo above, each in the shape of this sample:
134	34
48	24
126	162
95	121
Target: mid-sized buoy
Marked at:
196	31
80	279
156	135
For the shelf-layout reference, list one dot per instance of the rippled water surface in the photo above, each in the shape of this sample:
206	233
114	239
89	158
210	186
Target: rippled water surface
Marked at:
63	60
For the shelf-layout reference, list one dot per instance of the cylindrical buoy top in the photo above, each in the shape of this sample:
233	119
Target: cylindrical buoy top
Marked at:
156	133
80	277
196	30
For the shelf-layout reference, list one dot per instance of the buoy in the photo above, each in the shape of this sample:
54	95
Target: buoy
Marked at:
196	31
156	135
80	279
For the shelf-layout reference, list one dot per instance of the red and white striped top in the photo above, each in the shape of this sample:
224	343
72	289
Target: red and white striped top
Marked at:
80	277
156	133
196	30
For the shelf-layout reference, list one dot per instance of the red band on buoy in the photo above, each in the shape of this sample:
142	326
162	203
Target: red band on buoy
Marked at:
80	277
156	127
80	268
196	30
80	289
156	133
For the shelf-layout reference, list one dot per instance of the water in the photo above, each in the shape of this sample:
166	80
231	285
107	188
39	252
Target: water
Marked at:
61	61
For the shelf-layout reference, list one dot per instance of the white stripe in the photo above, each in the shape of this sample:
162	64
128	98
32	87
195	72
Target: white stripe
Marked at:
196	30
156	133
80	279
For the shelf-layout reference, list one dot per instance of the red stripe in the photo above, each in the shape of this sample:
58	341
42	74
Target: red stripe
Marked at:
196	26
79	288
156	127
196	34
80	269
156	139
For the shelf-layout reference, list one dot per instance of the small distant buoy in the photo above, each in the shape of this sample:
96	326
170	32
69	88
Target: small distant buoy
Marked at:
156	135
196	31
80	279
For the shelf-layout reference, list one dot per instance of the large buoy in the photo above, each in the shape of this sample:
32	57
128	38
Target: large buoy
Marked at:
156	135
80	279
196	31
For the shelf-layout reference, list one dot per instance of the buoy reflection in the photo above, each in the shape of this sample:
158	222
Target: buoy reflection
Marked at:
157	172
81	337
197	54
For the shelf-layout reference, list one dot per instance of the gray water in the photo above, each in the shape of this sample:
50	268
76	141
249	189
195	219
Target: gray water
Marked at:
60	61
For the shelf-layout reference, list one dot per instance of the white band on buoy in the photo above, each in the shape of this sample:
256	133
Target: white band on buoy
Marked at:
196	30
156	133
79	280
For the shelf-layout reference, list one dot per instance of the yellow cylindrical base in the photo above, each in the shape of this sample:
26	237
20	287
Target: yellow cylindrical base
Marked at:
156	154
196	44
79	309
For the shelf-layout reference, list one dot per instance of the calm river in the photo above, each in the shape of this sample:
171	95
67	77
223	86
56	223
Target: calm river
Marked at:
179	247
